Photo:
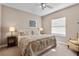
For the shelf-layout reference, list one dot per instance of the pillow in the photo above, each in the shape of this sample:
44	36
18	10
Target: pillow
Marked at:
21	33
35	31
29	31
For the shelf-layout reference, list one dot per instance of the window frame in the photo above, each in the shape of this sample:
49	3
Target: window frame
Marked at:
59	34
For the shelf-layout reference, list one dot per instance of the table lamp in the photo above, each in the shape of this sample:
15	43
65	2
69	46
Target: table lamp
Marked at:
11	29
41	29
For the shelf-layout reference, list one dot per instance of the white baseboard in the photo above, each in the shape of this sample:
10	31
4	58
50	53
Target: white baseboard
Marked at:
4	45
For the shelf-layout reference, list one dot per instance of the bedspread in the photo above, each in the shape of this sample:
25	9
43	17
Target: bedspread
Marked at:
35	44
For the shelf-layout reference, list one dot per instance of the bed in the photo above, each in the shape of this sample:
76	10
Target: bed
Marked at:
32	45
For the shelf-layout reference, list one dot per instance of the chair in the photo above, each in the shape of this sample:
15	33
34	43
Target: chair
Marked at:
73	44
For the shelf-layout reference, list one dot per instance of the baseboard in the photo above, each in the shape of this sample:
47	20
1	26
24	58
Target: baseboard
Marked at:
4	45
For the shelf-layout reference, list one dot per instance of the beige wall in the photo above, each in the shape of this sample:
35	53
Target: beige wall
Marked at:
16	18
0	22
71	14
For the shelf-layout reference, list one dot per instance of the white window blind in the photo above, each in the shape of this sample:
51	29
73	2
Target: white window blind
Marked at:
58	26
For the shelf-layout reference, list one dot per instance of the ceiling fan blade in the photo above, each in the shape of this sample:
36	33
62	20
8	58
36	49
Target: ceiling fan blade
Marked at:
49	6
43	6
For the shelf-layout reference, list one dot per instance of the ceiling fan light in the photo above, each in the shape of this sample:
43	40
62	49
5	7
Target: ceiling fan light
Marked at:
44	5
40	6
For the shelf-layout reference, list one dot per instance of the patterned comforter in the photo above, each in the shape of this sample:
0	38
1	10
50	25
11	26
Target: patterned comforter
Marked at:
35	44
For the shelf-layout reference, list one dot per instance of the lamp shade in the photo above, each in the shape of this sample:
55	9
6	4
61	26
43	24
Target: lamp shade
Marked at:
41	29
12	29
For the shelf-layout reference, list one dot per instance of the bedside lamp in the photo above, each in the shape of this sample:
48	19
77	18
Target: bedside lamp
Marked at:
41	29
11	29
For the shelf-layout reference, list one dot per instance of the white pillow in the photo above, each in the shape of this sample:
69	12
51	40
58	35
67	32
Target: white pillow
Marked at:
30	31
35	31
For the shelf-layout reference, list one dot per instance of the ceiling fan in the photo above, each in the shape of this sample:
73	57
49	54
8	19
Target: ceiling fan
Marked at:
45	5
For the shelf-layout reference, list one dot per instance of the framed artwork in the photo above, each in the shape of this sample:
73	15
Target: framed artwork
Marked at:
32	23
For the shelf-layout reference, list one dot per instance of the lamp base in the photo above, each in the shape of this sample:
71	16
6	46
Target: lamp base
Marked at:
11	33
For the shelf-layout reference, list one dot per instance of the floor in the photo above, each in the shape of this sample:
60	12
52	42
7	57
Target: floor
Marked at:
60	50
12	51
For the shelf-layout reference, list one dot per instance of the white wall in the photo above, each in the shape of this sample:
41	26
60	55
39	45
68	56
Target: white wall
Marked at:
16	18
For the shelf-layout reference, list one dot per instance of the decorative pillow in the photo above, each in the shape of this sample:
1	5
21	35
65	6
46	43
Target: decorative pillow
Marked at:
29	31
21	33
35	31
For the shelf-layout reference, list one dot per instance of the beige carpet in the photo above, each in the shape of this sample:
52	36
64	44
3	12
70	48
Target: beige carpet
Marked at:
11	51
61	50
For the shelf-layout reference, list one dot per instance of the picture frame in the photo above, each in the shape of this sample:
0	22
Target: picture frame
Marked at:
32	23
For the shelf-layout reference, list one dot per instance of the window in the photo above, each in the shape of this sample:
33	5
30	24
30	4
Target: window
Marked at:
58	26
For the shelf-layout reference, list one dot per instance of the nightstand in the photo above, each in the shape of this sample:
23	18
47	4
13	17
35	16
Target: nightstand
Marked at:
12	41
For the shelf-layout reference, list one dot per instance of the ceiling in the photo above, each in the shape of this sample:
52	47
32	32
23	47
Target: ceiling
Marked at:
35	8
